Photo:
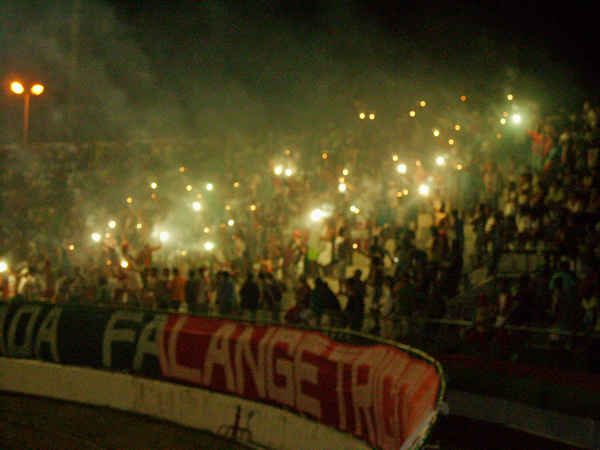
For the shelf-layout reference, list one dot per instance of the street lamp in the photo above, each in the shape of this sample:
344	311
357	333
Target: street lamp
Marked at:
18	88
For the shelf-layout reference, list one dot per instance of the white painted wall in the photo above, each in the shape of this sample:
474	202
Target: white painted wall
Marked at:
272	427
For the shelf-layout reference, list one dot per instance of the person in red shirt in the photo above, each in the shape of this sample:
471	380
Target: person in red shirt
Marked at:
177	289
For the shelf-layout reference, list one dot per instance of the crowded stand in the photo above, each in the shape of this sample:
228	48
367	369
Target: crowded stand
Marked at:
414	272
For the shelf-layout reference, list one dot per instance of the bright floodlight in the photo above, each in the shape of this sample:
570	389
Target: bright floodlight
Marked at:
424	189
112	224
436	133
230	223
209	187
402	168
124	264
17	88
153	185
209	246
516	118
96	237
197	206
3	267
37	89
353	208
440	161
278	170
164	236
316	215
342	187
288	172
345	172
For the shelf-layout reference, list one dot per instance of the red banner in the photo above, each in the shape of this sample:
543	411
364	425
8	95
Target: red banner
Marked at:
378	393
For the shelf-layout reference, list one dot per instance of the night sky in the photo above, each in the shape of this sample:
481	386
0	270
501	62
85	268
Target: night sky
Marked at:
140	68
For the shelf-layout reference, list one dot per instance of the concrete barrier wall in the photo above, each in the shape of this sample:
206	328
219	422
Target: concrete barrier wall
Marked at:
257	423
566	428
382	395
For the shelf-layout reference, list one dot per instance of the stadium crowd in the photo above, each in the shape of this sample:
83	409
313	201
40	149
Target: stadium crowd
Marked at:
549	207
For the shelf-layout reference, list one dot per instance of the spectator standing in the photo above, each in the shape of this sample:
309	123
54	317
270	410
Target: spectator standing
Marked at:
250	296
355	308
177	290
342	252
300	312
404	294
322	301
387	308
163	293
478	222
203	289
151	288
225	293
192	292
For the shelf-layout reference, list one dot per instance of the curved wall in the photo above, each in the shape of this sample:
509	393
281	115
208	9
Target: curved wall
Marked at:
382	395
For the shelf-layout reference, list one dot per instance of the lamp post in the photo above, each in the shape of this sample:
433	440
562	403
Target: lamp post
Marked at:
18	88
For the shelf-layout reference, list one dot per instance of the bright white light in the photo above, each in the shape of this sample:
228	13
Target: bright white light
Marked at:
436	133
209	246
17	88
197	206
503	121
278	170
164	236
424	189
124	264
37	89
345	172
362	115
440	161
3	267
288	172
153	185
402	168
209	187
353	208
96	237
112	224
231	222
342	187
316	215
516	118
371	116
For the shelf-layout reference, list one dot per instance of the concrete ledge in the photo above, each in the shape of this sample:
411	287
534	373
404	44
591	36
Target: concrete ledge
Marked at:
259	424
573	430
